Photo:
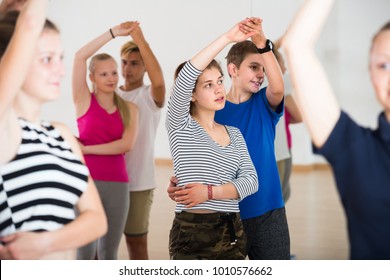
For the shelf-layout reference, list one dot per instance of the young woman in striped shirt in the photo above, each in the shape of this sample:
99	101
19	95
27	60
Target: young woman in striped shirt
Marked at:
42	177
211	161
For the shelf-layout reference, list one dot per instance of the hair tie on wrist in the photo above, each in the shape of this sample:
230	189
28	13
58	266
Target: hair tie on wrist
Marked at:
112	34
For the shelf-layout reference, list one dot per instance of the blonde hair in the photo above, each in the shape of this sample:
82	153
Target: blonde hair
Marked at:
129	47
118	101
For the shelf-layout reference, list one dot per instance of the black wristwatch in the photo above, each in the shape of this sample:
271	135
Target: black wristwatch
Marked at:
268	47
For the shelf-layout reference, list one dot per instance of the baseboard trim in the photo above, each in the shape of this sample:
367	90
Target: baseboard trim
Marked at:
163	161
295	168
310	167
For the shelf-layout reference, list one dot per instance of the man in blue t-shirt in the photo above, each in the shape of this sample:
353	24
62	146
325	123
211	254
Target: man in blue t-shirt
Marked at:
256	112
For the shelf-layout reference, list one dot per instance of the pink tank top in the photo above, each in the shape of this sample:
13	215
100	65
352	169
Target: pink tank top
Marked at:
97	126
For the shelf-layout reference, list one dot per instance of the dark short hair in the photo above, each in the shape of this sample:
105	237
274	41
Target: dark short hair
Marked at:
239	51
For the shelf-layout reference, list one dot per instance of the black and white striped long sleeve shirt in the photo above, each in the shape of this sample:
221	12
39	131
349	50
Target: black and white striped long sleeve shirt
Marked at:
197	158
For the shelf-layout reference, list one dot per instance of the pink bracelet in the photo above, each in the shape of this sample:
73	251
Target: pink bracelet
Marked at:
210	191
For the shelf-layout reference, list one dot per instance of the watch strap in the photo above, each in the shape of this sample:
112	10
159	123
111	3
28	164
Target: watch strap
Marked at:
268	47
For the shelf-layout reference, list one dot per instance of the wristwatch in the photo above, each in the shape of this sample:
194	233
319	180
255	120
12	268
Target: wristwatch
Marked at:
268	47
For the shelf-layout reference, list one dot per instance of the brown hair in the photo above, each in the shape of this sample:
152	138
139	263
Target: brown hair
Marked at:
7	28
239	51
118	101
212	64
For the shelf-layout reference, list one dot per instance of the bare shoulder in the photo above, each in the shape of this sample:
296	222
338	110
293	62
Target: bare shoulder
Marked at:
68	136
64	129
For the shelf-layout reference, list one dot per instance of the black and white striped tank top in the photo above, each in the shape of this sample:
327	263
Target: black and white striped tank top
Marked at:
41	185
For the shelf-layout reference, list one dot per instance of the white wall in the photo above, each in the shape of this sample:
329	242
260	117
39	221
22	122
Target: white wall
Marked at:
176	29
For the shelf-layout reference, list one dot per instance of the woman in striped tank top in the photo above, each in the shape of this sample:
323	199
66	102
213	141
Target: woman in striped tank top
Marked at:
211	161
42	177
108	129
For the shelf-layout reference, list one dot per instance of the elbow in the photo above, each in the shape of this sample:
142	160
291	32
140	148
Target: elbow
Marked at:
79	57
256	188
31	22
296	48
129	146
279	91
102	225
297	119
255	184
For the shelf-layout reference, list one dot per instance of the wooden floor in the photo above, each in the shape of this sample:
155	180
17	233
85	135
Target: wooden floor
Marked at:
315	217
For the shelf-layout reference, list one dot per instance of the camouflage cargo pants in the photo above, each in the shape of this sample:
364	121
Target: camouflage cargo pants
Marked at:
207	237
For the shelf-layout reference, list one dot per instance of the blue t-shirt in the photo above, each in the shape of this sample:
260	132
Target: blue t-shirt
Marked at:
360	158
256	121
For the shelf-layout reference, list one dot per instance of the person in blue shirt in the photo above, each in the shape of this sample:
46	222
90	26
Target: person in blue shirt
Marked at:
360	157
256	112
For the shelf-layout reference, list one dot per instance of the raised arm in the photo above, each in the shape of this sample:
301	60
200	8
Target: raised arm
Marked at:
206	55
293	109
11	5
17	57
275	88
81	93
14	65
314	95
178	106
152	66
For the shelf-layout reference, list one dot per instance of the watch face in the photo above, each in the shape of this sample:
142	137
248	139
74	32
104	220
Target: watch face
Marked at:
271	46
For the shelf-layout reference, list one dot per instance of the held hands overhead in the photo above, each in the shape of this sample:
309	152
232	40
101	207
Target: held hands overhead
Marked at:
125	28
254	27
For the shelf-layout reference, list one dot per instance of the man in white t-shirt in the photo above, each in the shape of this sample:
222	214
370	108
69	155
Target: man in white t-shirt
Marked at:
137	59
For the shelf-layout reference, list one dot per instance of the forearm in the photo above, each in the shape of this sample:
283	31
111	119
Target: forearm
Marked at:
225	191
88	226
202	59
313	92
179	102
112	148
80	91
275	88
152	65
293	110
93	46
155	73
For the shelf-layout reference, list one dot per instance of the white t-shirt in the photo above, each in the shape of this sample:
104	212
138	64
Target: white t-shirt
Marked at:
281	146
140	160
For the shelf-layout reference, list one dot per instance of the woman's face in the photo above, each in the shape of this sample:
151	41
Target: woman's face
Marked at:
380	69
209	92
105	75
43	80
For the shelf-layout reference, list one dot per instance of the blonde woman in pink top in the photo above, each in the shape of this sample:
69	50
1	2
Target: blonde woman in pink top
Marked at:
108	128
